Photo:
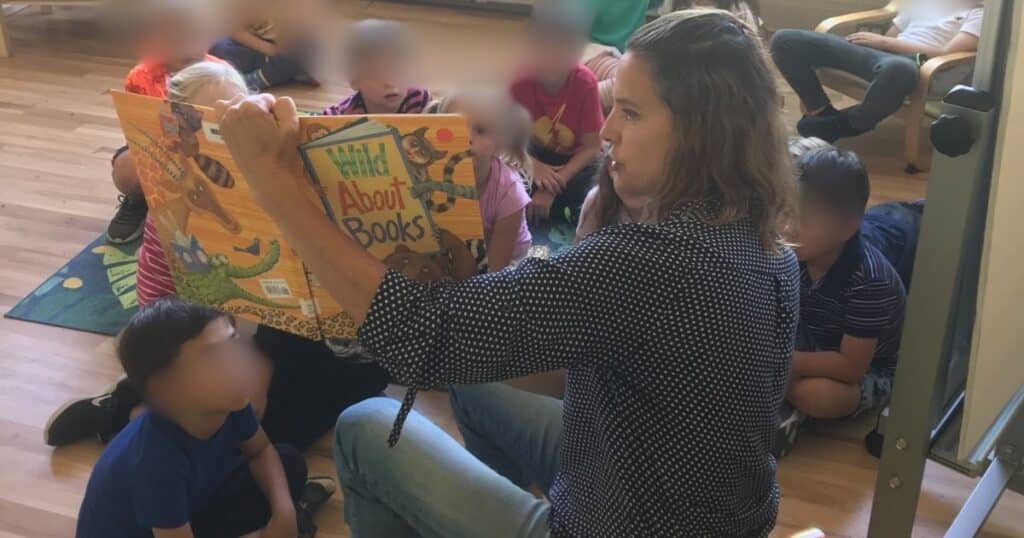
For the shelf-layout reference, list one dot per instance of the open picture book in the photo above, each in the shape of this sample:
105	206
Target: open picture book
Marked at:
400	185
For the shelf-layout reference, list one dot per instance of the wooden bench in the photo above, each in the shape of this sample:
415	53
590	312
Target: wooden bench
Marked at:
44	6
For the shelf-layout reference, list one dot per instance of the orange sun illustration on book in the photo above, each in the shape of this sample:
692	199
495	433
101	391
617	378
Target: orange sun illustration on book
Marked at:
552	133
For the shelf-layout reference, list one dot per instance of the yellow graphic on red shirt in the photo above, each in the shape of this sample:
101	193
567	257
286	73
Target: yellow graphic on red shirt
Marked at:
553	134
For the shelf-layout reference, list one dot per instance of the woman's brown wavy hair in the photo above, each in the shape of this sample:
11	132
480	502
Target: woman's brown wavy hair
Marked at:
730	145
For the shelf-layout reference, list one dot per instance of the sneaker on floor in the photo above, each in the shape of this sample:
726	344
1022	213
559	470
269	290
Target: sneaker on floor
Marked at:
829	128
790	421
315	493
86	418
126	226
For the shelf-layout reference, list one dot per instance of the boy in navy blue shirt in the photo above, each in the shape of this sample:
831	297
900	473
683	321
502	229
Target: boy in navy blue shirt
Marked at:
196	463
851	299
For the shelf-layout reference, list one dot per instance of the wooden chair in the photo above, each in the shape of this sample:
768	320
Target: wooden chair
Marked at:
45	6
938	76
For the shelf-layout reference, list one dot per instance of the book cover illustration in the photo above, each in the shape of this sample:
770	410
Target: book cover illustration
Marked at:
222	249
376	175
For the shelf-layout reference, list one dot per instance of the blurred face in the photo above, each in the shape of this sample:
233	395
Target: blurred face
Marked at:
483	132
821	232
179	40
221	90
215	371
551	57
639	129
383	82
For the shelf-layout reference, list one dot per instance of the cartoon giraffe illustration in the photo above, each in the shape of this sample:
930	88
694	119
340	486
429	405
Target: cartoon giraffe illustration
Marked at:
190	191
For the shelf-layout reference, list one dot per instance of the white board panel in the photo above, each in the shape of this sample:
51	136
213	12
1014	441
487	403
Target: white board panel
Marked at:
997	356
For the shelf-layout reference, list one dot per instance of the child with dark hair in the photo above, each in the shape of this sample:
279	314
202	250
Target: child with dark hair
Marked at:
378	60
562	97
892	228
196	462
851	301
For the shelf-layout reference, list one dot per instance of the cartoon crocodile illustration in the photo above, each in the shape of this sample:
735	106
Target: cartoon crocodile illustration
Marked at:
210	280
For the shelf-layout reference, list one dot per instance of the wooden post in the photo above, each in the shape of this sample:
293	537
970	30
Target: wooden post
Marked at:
5	50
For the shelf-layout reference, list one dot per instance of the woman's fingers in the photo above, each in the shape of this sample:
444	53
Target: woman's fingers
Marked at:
221	106
287	117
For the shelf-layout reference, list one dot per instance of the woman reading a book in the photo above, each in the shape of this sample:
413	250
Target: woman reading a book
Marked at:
676	335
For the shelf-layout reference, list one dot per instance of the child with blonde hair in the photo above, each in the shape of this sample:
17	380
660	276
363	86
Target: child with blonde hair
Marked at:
499	137
203	83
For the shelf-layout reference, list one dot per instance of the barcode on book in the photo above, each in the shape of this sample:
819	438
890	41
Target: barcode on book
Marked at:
212	132
275	288
309	307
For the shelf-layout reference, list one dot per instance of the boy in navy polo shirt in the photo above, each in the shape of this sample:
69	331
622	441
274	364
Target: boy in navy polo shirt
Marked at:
196	463
851	301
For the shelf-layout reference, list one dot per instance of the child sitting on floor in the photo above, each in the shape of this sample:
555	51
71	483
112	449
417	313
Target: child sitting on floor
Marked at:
169	36
265	51
200	84
561	96
301	376
378	59
499	134
923	29
196	462
851	301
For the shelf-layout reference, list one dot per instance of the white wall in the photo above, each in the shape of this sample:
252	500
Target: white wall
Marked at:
808	13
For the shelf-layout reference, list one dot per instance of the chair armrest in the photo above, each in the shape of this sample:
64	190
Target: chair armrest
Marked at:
939	64
944	62
832	25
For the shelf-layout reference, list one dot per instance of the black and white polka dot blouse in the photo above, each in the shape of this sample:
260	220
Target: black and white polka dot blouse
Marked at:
677	338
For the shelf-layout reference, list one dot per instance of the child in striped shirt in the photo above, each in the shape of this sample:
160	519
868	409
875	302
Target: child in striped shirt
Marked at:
852	300
378	61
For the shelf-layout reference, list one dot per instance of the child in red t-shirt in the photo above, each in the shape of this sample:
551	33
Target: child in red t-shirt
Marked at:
168	36
563	100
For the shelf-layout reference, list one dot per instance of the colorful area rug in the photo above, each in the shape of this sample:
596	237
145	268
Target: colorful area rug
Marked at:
549	240
94	292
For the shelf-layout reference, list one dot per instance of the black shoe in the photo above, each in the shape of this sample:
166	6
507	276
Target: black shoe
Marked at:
829	128
127	224
255	81
315	493
82	419
790	421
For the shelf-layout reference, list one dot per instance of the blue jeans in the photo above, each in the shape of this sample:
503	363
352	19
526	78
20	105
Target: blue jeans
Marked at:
429	485
272	70
893	229
892	77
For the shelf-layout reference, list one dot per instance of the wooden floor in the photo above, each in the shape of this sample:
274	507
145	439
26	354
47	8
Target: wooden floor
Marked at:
57	132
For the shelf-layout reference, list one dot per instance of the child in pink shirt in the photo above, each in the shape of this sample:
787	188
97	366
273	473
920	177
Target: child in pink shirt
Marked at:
499	136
